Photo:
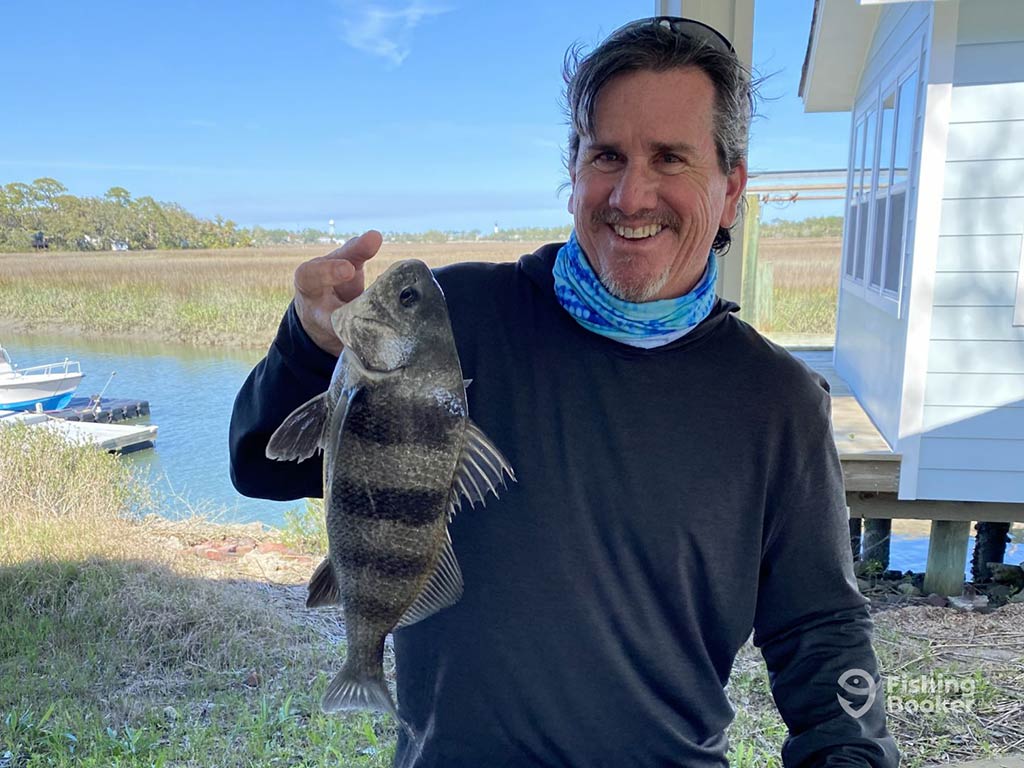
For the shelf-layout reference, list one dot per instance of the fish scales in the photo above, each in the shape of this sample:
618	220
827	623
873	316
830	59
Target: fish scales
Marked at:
405	519
400	456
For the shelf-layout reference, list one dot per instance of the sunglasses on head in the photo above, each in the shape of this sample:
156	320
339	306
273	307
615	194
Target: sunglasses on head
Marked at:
694	30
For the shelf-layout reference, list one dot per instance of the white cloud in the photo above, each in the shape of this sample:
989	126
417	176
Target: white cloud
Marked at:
384	30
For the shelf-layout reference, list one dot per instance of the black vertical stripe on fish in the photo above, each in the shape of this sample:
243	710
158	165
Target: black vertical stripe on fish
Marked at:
370	607
399	565
415	507
392	421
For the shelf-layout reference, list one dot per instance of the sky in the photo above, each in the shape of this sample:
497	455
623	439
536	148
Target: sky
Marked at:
401	115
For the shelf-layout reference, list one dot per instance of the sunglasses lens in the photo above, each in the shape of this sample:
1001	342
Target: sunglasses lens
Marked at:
695	30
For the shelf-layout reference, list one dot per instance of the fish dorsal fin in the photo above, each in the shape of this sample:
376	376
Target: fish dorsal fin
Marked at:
443	589
482	467
302	433
323	586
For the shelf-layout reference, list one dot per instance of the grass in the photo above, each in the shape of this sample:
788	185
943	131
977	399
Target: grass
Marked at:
305	529
120	647
204	298
805	287
236	297
979	653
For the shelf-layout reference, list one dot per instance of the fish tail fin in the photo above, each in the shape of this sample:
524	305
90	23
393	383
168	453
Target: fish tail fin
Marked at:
352	691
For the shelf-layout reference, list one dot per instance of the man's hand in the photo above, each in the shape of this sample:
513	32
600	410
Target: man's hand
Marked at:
325	283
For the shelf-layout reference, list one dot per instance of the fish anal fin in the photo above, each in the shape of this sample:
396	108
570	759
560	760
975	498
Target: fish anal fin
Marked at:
301	434
323	586
444	588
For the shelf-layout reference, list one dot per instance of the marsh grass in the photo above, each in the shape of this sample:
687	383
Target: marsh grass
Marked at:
806	285
236	297
222	297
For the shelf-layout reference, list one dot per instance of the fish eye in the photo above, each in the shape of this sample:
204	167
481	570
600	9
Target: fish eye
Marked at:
408	297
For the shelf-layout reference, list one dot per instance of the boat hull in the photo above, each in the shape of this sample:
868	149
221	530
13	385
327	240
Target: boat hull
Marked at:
49	395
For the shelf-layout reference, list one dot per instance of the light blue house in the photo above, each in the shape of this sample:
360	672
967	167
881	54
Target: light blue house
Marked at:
930	332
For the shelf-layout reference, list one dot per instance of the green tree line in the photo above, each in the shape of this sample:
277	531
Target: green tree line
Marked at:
43	213
814	226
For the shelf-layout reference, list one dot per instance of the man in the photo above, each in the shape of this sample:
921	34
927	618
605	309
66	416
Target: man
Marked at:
678	481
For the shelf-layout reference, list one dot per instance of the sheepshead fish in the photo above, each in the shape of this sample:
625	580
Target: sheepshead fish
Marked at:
400	456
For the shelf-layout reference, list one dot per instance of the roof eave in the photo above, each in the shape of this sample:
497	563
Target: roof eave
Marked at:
837	49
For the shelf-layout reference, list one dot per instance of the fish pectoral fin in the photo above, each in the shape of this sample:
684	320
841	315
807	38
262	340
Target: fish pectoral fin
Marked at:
323	586
482	467
443	589
301	434
466	383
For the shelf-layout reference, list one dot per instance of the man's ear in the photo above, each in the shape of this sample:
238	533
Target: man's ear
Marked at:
736	185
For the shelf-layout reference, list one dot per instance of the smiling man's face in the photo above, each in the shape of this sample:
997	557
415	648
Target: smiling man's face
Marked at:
648	194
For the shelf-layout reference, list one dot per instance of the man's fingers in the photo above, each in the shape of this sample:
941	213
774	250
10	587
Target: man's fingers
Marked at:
339	266
360	249
313	276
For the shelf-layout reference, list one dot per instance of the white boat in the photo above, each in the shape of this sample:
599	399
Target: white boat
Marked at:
43	387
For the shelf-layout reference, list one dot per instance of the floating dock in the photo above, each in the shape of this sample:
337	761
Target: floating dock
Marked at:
93	426
106	411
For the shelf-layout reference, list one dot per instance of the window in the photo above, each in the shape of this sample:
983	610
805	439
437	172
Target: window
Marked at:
881	195
906	123
882	156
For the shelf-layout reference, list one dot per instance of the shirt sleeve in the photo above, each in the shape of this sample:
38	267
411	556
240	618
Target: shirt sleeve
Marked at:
294	371
811	623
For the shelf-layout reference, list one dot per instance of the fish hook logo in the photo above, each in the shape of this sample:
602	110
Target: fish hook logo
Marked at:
847	681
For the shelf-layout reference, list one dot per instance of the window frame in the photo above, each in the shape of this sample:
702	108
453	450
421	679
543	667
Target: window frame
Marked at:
909	66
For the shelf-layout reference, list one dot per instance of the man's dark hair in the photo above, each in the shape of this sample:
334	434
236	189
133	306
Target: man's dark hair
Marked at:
647	45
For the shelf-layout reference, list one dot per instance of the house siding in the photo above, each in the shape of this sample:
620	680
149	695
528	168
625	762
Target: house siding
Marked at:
869	338
972	444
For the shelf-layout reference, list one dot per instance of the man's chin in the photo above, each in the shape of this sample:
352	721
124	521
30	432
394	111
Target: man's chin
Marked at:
635	290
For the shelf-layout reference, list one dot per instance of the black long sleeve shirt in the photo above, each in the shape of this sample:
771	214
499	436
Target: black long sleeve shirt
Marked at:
669	502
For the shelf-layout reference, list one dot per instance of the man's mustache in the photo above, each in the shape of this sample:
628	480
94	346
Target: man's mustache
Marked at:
616	217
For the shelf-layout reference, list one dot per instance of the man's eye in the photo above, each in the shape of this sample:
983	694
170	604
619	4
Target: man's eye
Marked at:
672	163
606	159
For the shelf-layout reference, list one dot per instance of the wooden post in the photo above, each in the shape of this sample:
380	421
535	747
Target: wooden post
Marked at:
764	297
877	535
751	232
947	553
989	547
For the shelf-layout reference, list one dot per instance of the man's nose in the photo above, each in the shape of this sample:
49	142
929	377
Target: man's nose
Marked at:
635	190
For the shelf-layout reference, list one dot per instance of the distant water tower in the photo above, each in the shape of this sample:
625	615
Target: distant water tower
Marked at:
495	227
330	229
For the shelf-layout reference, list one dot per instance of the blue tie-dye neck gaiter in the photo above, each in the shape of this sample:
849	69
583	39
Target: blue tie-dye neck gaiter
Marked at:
648	324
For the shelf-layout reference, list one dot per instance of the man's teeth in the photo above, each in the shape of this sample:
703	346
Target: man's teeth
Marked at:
636	234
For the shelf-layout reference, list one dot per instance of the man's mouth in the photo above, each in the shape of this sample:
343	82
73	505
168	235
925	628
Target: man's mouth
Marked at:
637	233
